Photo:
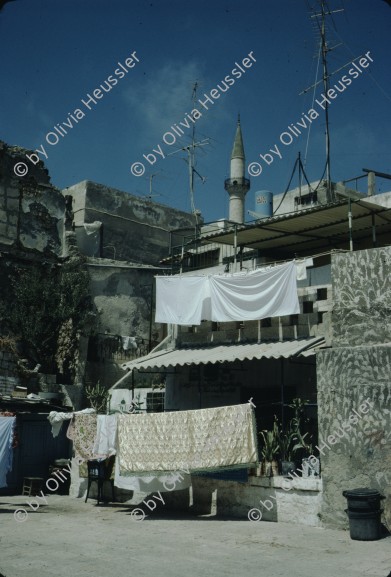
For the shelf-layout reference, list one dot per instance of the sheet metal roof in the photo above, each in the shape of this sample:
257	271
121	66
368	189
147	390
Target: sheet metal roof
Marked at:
225	353
311	229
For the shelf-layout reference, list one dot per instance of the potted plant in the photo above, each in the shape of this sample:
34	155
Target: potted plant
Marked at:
310	466
98	396
269	450
289	444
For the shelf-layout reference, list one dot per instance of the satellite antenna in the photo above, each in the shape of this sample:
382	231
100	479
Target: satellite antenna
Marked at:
190	149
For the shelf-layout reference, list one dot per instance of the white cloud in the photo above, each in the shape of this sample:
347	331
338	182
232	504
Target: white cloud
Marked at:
162	99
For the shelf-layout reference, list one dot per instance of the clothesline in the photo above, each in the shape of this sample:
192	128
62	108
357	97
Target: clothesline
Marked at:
272	263
150	447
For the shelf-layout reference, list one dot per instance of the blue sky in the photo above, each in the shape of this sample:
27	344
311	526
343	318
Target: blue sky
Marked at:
55	53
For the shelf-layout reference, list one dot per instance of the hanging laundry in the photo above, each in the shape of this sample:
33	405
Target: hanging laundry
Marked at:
7	425
149	483
266	292
129	343
105	440
180	440
182	300
258	294
301	270
57	418
82	431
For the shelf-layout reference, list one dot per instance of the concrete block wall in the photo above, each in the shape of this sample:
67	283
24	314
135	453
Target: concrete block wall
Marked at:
306	325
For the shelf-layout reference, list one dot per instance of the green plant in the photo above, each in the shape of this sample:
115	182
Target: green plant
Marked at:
98	396
51	309
269	442
297	424
289	443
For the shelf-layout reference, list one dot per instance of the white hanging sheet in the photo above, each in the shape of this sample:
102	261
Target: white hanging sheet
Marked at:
105	440
256	295
265	292
181	300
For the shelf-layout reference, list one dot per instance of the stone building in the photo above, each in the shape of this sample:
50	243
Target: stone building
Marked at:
31	235
124	238
335	354
118	238
31	239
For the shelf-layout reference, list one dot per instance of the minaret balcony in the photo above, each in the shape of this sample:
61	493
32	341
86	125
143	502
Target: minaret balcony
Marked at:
239	183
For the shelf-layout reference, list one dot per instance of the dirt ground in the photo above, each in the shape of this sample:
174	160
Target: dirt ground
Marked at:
66	536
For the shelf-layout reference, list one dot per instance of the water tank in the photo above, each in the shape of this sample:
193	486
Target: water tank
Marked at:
263	203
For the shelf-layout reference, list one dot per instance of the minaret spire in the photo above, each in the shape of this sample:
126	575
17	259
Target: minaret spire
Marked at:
238	148
237	186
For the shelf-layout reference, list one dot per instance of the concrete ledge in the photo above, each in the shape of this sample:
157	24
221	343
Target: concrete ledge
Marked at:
279	482
299	504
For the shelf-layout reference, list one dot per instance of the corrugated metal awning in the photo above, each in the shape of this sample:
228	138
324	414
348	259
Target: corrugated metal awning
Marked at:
309	230
224	354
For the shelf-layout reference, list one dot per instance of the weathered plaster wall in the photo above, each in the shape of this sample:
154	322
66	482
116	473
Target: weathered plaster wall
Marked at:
122	296
31	209
362	297
134	228
358	367
362	456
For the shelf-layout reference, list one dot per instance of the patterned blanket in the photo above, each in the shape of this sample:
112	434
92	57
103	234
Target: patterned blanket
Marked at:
197	440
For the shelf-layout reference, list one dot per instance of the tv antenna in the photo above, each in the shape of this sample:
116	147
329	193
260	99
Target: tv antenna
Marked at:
190	150
324	49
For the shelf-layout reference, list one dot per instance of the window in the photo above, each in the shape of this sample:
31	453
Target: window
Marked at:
321	294
155	402
294	320
306	199
266	322
308	307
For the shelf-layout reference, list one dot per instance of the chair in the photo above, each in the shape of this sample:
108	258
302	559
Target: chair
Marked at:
32	486
100	471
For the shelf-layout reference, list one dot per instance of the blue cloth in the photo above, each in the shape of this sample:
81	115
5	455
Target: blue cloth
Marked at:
6	453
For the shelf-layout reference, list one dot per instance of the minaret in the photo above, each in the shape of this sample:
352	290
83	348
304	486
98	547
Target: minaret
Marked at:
237	185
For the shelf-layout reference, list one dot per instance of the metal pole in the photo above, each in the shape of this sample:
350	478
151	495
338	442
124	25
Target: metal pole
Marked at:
282	396
374	241
326	86
235	246
371	183
350	225
150	318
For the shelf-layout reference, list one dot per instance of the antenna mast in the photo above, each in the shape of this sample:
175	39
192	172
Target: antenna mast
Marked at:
190	153
326	87
324	11
190	149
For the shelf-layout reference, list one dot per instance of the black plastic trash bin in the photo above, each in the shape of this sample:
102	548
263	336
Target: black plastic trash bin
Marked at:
364	513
